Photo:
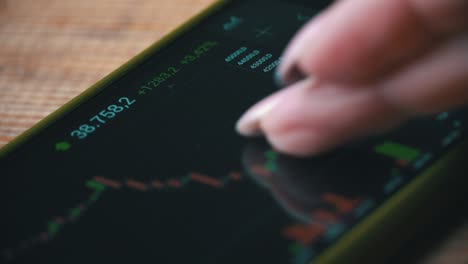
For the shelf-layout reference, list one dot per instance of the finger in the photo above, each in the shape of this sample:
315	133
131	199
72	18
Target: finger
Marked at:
308	118
434	83
362	40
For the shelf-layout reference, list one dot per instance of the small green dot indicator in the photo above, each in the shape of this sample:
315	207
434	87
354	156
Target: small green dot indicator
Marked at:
294	248
271	166
442	116
184	181
271	155
94	197
53	228
75	213
62	146
397	151
96	186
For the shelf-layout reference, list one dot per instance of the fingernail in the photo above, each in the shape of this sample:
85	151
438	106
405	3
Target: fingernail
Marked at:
292	75
249	123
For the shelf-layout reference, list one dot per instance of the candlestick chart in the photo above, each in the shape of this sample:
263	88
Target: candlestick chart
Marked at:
320	203
98	186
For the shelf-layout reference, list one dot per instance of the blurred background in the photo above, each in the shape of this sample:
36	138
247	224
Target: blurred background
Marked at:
52	50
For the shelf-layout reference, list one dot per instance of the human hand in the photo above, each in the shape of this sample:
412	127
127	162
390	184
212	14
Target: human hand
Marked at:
361	67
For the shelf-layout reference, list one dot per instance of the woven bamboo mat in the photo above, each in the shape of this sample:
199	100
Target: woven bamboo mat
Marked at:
52	50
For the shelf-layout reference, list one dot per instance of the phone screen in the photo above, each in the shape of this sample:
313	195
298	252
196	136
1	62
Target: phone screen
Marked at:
151	170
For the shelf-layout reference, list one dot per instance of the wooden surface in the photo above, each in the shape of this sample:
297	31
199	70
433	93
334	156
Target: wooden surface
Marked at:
51	50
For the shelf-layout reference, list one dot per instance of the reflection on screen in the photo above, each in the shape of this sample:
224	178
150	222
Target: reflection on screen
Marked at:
151	170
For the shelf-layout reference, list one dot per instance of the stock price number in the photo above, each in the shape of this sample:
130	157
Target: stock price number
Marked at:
199	51
158	80
102	118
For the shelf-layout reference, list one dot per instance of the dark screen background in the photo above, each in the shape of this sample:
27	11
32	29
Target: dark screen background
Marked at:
167	180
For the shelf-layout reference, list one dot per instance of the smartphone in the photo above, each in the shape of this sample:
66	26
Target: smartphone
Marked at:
145	166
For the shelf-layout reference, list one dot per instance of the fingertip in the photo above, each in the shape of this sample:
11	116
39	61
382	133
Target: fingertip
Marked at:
249	123
287	125
313	118
300	143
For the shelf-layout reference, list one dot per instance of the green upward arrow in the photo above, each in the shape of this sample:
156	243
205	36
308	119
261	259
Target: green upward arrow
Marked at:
62	146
